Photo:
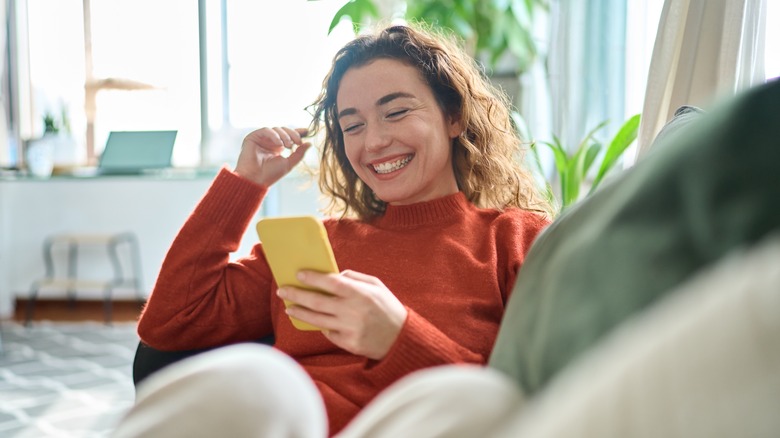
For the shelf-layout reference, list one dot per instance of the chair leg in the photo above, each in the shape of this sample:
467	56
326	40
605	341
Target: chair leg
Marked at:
108	305
30	308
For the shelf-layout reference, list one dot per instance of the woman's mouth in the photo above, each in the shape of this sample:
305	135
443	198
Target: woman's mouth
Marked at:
392	166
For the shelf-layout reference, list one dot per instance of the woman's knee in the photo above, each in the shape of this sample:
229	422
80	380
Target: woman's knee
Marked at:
452	400
253	388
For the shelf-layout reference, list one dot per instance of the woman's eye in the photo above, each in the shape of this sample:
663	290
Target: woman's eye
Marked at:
397	113
351	128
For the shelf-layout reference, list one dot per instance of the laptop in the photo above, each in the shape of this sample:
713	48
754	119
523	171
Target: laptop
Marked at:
136	152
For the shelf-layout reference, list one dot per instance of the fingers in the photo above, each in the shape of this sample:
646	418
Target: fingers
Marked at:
322	320
297	155
277	137
285	136
306	298
290	137
359	276
263	158
312	307
334	284
265	138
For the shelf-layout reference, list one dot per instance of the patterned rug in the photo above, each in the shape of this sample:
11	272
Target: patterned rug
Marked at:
65	379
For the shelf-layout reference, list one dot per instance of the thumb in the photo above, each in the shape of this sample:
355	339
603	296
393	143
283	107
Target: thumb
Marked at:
297	155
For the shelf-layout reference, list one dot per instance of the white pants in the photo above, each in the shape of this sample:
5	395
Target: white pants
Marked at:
253	390
703	363
246	390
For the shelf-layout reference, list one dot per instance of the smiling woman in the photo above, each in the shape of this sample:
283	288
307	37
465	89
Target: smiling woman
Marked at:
432	218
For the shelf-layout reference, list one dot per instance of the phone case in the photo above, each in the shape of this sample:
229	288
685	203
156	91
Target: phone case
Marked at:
292	244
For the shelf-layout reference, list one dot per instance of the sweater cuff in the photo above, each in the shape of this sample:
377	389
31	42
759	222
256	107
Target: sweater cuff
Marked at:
231	199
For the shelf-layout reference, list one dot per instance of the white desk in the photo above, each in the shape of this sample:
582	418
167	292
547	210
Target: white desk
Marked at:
153	207
31	210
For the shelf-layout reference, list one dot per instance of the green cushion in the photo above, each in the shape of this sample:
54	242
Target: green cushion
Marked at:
697	195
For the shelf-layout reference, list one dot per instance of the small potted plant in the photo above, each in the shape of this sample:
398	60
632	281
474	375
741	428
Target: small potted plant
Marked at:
50	124
39	153
52	147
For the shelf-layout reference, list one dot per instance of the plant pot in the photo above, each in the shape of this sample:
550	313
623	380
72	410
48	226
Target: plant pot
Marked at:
40	155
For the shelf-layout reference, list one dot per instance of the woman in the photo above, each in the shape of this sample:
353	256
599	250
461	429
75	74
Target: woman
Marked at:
432	218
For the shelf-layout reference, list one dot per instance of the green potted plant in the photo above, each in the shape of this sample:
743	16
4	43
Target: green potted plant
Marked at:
491	29
573	176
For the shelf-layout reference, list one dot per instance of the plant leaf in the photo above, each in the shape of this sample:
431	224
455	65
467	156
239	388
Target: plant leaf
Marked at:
591	133
561	158
539	176
357	11
576	173
590	157
622	140
562	165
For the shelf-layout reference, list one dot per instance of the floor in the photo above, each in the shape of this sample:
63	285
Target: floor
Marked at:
67	374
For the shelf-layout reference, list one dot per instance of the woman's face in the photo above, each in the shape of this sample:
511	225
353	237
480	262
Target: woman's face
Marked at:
395	135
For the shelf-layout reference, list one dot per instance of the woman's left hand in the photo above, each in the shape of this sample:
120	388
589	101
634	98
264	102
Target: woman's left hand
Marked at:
360	314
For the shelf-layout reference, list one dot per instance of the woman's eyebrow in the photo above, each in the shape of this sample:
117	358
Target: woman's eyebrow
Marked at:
392	96
381	101
346	112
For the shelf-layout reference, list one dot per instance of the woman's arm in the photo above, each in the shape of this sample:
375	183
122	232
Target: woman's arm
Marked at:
201	299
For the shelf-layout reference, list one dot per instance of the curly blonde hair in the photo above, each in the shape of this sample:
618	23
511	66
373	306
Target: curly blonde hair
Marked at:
487	156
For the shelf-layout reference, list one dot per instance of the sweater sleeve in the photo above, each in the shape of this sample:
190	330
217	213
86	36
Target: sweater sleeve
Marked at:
419	345
200	298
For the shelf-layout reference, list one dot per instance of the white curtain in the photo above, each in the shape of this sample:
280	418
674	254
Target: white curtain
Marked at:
578	79
586	64
704	50
5	138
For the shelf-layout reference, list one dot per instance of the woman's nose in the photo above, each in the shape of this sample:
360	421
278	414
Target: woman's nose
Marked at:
377	137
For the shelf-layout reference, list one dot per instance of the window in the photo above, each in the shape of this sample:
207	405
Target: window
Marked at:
140	69
141	59
264	62
275	55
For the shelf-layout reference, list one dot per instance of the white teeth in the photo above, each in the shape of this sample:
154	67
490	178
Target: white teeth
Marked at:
392	166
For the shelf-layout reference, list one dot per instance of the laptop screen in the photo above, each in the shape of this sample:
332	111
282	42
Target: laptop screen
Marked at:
135	151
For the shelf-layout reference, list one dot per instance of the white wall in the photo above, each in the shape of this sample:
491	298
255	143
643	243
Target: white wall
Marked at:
153	208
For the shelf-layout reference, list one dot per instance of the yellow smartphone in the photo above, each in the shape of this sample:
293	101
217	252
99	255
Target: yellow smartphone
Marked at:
292	244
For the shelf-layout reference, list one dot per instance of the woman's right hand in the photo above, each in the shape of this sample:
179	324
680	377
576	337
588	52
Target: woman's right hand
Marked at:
261	157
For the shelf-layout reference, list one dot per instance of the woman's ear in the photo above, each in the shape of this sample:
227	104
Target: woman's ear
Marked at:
455	127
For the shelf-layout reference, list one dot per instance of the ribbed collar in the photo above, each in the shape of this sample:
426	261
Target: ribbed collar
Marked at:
424	213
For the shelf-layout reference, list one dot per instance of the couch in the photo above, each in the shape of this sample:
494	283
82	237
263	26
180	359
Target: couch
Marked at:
652	308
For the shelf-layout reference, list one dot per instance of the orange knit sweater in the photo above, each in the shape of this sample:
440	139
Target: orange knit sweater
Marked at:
451	264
